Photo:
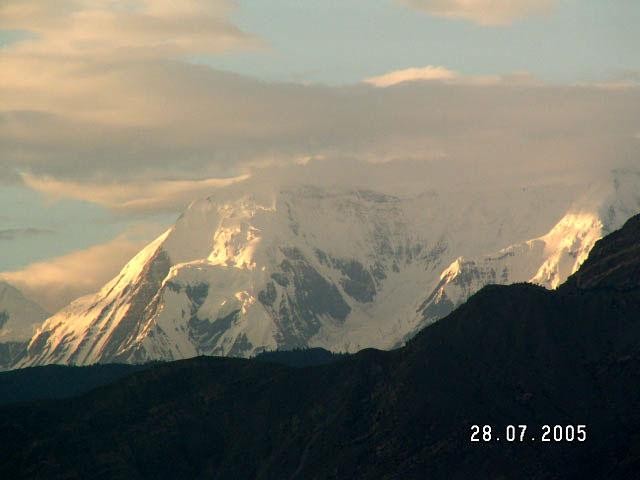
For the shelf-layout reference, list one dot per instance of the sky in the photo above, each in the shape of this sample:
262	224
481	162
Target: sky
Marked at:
116	114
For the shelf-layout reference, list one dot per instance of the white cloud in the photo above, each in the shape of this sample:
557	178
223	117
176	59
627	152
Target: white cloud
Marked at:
56	282
441	74
429	72
132	197
483	12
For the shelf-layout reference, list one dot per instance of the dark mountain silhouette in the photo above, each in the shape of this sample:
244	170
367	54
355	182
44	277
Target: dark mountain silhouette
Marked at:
64	381
300	357
59	381
511	355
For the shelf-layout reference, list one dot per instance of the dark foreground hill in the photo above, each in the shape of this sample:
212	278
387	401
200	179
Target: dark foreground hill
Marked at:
59	381
301	357
514	355
64	381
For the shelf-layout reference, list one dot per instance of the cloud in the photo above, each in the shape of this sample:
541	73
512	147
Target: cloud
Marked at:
131	197
483	12
411	75
185	123
14	233
444	75
76	56
56	282
123	29
120	119
85	85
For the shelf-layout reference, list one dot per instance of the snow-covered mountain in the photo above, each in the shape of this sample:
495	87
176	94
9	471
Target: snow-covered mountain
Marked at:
19	318
341	269
547	260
